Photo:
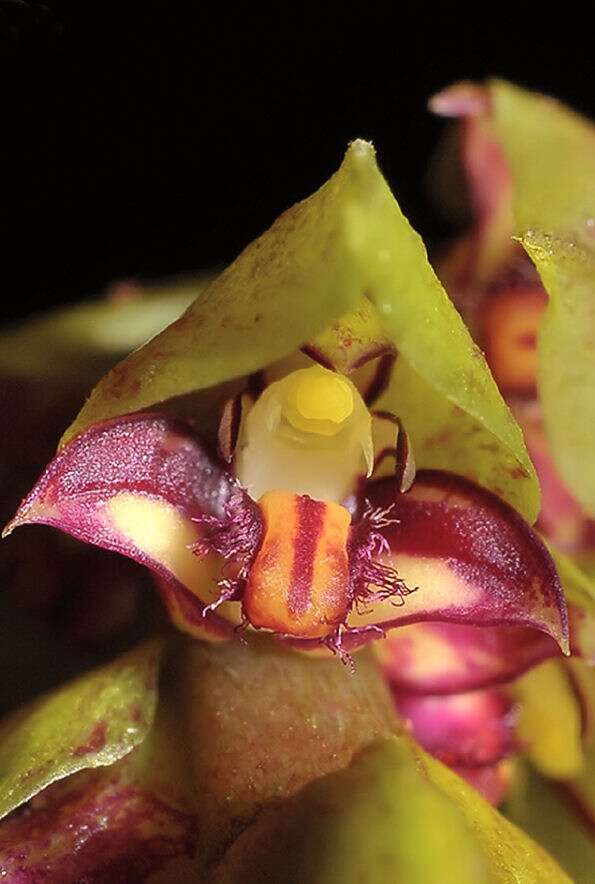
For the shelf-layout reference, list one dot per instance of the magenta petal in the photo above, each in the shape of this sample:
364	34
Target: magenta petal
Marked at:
139	453
471	558
473	729
447	658
137	485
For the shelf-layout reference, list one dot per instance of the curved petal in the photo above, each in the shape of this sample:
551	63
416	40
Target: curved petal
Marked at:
471	558
137	485
448	658
579	590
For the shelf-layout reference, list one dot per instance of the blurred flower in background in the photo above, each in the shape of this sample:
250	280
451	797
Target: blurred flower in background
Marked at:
522	164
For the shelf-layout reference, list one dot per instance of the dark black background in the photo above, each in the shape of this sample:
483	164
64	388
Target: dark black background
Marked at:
146	140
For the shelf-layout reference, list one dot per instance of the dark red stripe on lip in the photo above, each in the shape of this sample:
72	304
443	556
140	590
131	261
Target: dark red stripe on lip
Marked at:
309	527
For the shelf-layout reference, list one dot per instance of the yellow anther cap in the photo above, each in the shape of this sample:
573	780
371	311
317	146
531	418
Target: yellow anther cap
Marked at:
318	401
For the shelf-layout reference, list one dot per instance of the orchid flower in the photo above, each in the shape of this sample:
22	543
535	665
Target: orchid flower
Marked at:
314	451
290	537
528	302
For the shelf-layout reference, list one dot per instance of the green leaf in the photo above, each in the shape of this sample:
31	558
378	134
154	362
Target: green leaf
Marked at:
395	815
118	823
88	723
541	808
510	854
441	358
315	265
284	289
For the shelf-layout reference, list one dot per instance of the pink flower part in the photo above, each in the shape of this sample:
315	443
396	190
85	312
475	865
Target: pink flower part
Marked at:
473	729
472	558
470	732
131	483
447	658
462	99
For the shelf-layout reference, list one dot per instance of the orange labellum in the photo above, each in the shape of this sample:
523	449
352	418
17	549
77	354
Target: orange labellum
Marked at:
299	582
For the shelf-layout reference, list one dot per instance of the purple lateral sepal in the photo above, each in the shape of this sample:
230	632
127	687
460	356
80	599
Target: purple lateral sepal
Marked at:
146	457
146	454
471	558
